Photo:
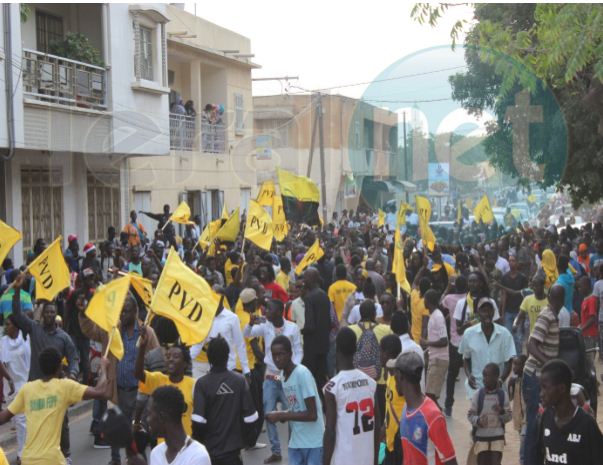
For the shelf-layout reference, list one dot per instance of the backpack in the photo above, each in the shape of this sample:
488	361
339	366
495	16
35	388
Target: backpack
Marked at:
368	355
480	405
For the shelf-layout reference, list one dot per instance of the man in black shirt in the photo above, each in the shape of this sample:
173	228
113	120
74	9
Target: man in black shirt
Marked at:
567	433
222	407
513	282
316	328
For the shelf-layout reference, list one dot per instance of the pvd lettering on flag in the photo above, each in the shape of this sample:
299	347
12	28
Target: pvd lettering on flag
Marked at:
185	302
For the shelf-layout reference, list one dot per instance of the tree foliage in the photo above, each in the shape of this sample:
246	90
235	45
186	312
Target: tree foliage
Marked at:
541	47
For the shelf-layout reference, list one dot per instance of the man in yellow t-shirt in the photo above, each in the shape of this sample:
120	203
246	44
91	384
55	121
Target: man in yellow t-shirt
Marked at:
340	290
44	403
532	305
419	315
282	278
391	346
177	361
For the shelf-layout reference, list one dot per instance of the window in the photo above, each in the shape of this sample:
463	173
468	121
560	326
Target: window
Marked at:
103	204
146	53
239	114
41	205
49	28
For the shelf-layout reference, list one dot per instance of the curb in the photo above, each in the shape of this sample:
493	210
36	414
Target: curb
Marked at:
8	440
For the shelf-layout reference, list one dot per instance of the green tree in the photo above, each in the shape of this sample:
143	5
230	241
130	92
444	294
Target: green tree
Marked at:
555	48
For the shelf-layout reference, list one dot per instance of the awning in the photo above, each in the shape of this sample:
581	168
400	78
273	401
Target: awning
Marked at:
407	186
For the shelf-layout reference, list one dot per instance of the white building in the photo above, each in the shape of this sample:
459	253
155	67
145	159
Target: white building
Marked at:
68	128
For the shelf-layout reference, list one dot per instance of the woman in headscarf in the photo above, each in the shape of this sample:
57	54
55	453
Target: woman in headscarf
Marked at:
549	266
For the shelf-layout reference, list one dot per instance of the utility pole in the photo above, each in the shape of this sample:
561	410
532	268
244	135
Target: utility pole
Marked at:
405	155
321	141
312	142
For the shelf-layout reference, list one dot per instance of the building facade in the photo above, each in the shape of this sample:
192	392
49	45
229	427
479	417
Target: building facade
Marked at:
211	158
362	164
86	89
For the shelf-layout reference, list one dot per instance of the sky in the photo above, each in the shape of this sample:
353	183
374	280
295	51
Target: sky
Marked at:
327	43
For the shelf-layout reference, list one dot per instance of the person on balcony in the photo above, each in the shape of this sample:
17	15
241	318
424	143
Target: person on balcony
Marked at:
190	109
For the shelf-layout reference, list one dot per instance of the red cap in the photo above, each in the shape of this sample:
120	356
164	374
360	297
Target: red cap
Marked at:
71	238
89	247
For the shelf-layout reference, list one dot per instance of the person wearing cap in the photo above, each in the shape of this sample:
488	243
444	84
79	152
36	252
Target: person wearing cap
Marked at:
422	423
273	325
487	342
72	253
91	261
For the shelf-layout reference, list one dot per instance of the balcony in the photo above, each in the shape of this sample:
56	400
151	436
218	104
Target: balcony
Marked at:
50	78
189	133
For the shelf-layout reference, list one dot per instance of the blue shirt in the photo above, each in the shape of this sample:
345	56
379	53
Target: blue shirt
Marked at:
125	367
299	386
567	281
475	347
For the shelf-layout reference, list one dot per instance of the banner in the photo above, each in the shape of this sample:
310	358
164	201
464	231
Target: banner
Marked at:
266	194
230	229
258	228
105	309
279	220
185	298
313	254
424	212
398	265
300	198
483	211
438	178
182	214
9	236
51	271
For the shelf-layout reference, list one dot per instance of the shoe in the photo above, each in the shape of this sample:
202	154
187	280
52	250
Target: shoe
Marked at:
99	442
273	459
448	411
257	445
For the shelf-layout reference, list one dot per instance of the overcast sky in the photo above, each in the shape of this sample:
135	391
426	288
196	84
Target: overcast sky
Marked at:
327	43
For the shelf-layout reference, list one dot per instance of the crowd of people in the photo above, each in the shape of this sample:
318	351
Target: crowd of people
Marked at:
360	370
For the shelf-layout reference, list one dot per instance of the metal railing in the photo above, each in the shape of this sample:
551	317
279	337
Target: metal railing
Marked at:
186	133
51	78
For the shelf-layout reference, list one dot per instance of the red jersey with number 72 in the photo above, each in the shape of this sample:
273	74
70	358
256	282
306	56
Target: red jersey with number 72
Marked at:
425	439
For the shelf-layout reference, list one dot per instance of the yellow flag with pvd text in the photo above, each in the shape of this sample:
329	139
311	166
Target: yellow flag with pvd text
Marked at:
279	221
266	194
483	211
185	298
208	236
105	309
398	265
401	217
50	271
258	228
313	254
424	212
9	236
182	214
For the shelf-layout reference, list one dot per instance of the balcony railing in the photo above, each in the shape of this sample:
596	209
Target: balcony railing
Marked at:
188	133
50	78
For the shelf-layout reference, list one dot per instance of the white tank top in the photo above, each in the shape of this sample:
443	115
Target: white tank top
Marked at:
354	394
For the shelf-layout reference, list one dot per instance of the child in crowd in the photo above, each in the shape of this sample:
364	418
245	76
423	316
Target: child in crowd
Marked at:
519	410
488	414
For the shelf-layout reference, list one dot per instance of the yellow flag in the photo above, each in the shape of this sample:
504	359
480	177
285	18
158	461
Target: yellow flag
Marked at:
185	298
401	218
381	218
208	235
279	221
230	229
424	212
105	308
298	187
398	265
143	287
224	212
483	211
182	214
258	228
51	271
459	212
266	194
9	236
313	254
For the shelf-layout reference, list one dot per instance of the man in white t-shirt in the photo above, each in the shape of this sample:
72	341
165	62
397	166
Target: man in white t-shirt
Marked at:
436	345
166	408
351	430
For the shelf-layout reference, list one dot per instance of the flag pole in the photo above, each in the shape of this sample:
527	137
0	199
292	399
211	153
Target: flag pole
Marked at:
110	340
166	223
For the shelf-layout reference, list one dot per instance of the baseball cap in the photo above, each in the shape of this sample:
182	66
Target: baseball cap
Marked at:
485	301
89	247
71	238
407	362
248	295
